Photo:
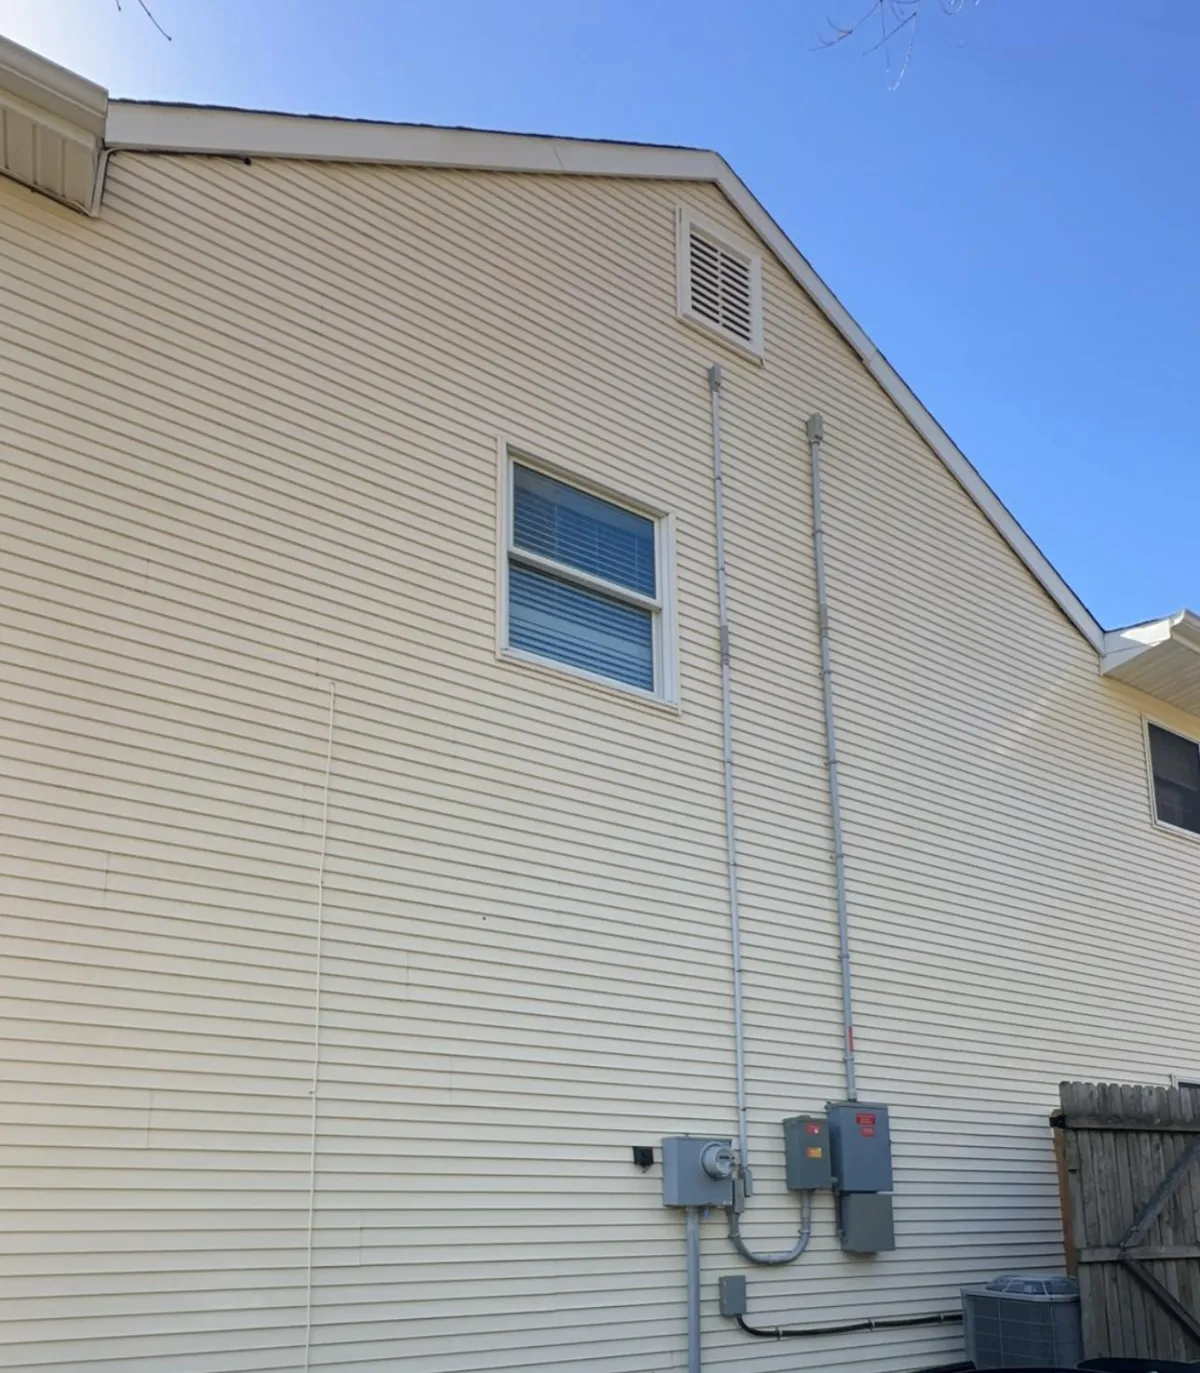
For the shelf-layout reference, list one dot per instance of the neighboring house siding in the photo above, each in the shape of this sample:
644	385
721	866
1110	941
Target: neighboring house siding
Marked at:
249	421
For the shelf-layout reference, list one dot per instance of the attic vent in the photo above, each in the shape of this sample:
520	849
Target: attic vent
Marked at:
720	284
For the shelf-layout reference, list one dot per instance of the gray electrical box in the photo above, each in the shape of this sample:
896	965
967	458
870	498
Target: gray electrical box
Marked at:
865	1222
733	1295
860	1146
697	1170
806	1153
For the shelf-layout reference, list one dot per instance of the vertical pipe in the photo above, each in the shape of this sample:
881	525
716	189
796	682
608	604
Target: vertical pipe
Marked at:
735	929
816	433
693	1288
744	1183
98	184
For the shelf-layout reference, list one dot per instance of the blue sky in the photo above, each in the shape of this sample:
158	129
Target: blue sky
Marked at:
1016	225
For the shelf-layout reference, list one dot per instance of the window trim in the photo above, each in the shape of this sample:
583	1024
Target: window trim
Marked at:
1164	825
662	606
685	221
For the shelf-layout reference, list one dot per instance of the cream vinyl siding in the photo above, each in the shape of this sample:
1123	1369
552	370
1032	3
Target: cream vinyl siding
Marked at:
249	422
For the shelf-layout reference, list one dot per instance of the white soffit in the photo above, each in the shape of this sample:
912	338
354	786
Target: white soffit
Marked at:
1161	658
52	126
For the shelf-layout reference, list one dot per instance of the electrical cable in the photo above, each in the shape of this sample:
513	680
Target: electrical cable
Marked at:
777	1332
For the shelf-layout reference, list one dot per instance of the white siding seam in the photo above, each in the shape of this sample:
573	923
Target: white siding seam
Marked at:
316	1049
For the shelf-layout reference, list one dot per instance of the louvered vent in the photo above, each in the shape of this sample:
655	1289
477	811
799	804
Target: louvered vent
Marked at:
719	285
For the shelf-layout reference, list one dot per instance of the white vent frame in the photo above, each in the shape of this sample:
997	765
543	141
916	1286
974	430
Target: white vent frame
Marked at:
688	223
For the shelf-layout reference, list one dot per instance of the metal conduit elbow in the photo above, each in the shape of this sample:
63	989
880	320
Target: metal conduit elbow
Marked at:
784	1256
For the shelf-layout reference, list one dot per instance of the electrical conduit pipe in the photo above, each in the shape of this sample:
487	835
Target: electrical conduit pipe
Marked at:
693	1288
815	429
744	1182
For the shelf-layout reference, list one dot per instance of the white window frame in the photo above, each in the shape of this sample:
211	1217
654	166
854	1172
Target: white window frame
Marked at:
1164	825
685	222
661	606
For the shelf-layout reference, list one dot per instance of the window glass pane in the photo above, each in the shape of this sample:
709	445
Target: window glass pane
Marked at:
1176	765
557	620
571	527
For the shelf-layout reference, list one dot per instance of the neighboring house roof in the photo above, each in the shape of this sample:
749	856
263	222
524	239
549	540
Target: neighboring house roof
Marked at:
63	106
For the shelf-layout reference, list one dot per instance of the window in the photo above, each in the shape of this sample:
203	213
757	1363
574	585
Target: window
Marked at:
720	283
1175	765
585	583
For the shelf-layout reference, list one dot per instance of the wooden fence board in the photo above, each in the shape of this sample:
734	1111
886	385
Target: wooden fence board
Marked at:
1130	1184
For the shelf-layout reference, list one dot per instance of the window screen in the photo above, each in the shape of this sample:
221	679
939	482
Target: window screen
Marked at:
1175	762
583	581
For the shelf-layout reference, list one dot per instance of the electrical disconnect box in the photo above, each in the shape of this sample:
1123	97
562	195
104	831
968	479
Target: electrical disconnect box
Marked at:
860	1146
697	1171
732	1289
865	1222
806	1153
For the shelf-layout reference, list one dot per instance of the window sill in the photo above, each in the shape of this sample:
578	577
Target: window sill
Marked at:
514	657
1176	830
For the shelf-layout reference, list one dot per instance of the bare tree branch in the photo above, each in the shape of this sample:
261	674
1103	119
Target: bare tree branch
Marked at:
149	13
894	16
842	32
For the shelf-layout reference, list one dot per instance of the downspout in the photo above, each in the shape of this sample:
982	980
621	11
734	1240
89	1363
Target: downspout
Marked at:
816	433
744	1180
98	183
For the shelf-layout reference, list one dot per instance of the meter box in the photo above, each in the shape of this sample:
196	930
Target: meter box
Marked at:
806	1153
860	1145
865	1222
697	1170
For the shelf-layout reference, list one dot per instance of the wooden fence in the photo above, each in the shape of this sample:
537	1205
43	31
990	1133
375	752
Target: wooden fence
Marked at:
1129	1172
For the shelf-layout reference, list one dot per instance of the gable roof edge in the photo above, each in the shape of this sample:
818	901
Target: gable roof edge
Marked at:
906	401
134	126
217	131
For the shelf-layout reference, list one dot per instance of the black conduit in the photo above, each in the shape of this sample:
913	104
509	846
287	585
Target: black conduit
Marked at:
777	1332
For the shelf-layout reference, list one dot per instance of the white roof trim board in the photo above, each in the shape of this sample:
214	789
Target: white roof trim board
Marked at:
164	128
52	126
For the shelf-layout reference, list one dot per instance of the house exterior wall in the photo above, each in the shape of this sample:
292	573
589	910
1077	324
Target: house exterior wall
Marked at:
248	446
